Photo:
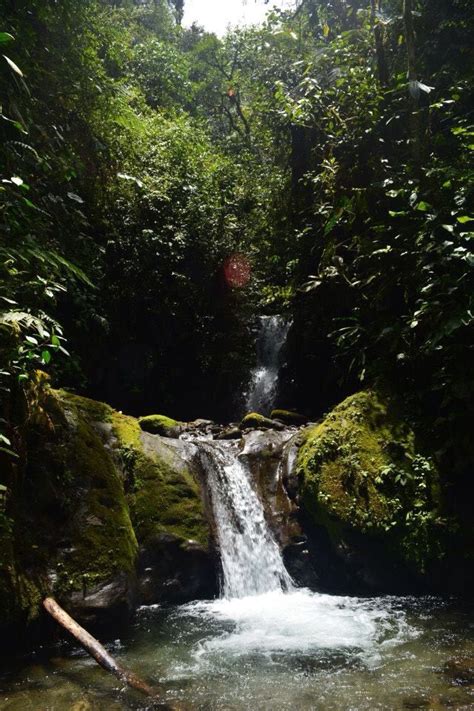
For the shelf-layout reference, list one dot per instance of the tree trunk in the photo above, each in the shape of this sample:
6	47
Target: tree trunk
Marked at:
100	654
377	29
415	117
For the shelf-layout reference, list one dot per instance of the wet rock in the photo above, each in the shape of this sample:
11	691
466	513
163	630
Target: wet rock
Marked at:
230	433
460	670
173	570
298	562
161	425
417	701
350	469
255	421
288	417
103	602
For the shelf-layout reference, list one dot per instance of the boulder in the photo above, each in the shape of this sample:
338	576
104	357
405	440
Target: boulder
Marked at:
255	421
370	496
98	498
288	417
161	425
230	433
173	570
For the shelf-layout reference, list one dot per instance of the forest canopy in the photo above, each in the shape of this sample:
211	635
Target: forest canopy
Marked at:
328	151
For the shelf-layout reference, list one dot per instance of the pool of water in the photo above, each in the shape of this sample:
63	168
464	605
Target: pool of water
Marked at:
296	650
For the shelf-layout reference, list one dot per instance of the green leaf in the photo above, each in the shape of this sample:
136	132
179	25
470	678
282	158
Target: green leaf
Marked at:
46	357
5	37
13	66
465	218
424	206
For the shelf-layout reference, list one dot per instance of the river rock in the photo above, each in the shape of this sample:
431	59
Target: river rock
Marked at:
460	670
113	500
255	421
175	571
104	602
360	472
161	425
229	433
288	417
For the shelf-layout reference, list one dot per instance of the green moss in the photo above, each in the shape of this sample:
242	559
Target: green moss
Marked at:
360	469
166	499
288	417
105	542
256	421
126	429
90	410
90	503
91	488
158	424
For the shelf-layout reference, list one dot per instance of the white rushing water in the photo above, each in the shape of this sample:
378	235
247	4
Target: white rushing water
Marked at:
250	557
260	610
272	334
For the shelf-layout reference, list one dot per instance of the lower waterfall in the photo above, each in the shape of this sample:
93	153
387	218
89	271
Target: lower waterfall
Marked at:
251	560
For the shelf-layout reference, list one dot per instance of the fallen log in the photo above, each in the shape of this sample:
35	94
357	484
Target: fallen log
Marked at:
100	654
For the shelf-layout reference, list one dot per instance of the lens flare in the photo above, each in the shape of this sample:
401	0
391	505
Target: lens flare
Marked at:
237	271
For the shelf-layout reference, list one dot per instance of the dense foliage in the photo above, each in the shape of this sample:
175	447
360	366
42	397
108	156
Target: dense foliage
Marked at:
329	149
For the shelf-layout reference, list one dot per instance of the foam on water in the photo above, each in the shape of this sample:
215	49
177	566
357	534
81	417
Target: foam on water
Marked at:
302	622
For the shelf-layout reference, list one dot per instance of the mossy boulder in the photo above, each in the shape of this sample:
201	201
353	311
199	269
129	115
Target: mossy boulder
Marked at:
160	425
365	481
81	531
288	417
92	497
255	421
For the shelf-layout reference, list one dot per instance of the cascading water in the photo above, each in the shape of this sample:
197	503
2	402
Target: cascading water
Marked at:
272	334
250	557
266	644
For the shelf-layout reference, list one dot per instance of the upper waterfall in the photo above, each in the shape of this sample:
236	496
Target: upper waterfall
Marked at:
262	392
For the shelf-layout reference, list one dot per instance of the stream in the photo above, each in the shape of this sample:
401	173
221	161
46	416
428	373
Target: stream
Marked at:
264	644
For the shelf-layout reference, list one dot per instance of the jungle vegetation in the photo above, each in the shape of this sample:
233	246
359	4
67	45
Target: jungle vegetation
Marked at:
325	157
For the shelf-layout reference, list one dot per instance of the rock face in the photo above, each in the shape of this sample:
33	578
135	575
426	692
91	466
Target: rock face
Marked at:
369	498
104	509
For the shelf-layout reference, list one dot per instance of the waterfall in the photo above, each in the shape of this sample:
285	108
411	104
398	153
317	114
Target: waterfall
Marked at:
262	392
250	557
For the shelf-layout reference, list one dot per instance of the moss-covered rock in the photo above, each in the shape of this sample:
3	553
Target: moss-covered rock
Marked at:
363	478
93	494
160	425
255	421
288	417
81	532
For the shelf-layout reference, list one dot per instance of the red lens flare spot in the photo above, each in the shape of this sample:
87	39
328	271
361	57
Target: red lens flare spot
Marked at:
237	271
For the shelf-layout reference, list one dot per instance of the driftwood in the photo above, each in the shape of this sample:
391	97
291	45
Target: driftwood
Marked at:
100	654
